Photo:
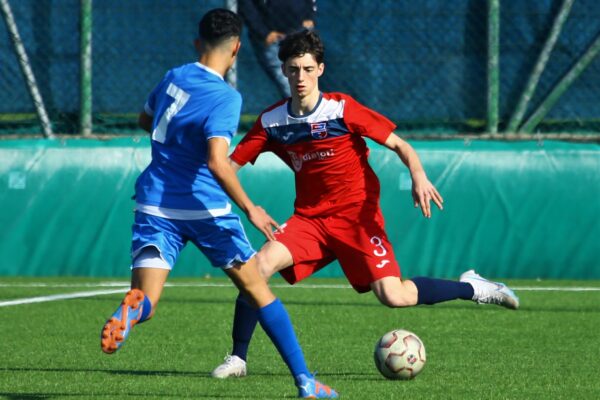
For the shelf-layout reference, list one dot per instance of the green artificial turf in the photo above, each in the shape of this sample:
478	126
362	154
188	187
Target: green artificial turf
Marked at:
549	349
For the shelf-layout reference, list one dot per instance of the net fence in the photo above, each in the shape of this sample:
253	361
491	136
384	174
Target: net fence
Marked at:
424	64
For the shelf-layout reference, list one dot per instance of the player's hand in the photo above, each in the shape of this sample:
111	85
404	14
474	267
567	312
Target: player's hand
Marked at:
423	192
308	24
273	37
263	221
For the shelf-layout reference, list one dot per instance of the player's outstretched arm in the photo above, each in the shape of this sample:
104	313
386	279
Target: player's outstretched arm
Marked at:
423	191
235	166
219	165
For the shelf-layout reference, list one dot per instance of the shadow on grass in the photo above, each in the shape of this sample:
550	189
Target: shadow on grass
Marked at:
150	373
196	374
31	396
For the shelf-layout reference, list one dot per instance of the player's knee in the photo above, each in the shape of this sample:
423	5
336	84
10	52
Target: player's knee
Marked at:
395	302
265	266
395	297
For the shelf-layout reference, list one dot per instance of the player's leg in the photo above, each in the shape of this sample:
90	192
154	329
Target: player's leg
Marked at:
380	265
270	312
368	260
373	263
150	280
297	240
139	304
151	267
393	292
275	321
271	258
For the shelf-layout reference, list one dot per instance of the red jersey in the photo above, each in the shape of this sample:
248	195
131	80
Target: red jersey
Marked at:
324	148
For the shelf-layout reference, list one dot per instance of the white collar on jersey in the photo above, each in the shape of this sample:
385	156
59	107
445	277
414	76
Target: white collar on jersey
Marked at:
212	71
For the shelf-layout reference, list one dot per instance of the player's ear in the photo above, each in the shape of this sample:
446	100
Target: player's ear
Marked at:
321	69
236	47
197	45
284	70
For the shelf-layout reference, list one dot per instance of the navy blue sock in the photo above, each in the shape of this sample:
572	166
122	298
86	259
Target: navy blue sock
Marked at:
244	322
276	322
432	291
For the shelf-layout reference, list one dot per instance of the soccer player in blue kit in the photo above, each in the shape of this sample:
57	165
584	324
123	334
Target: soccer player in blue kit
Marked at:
183	195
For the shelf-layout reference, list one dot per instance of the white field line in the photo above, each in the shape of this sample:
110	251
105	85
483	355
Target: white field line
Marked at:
64	296
555	289
119	284
124	286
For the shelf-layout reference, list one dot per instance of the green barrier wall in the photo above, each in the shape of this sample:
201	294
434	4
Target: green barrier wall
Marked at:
513	210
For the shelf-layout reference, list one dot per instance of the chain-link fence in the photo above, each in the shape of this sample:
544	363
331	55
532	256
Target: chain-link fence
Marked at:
424	64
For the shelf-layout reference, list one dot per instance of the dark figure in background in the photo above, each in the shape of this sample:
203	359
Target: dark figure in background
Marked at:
268	22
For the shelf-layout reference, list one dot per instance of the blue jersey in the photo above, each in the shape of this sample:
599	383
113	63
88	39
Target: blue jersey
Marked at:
189	106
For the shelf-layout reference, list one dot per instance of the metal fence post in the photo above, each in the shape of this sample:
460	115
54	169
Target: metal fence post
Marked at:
34	92
493	67
85	112
231	76
539	67
558	90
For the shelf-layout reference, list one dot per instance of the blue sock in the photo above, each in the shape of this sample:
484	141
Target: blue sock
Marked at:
146	310
432	291
276	322
244	322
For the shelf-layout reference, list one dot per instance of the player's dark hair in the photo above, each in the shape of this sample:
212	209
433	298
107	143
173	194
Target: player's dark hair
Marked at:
300	43
219	25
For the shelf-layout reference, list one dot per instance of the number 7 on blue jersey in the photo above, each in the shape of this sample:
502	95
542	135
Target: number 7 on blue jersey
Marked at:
160	132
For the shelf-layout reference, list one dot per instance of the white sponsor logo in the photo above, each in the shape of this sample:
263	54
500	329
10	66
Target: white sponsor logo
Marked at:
299	159
286	136
382	263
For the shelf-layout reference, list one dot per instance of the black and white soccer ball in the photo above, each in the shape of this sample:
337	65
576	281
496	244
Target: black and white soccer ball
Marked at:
399	354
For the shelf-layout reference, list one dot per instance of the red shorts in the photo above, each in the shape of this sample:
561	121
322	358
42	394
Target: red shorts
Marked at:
356	237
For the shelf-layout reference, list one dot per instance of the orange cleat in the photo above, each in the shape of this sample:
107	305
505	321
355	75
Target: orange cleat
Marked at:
117	328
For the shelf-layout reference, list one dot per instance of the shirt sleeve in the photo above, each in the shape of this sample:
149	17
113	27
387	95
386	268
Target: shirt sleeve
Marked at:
253	143
150	105
224	118
366	122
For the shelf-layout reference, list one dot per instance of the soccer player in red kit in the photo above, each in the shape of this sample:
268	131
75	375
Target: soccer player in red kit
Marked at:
337	214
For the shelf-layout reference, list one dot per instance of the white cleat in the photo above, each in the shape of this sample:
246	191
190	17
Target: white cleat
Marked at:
488	292
232	366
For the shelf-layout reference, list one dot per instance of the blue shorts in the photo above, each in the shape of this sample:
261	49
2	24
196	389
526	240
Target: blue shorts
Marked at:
222	239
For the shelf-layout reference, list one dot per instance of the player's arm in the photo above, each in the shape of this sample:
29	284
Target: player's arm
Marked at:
145	121
223	171
423	191
235	166
250	147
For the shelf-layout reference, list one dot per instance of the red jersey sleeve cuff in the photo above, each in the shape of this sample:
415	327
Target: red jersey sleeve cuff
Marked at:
237	160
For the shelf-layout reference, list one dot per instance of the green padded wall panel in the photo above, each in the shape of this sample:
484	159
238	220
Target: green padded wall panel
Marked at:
518	210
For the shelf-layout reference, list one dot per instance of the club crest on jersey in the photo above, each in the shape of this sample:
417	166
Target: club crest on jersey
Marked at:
318	130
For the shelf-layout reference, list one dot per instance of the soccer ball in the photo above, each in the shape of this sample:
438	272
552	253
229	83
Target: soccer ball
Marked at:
399	354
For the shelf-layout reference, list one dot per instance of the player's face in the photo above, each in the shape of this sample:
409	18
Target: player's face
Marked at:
303	75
